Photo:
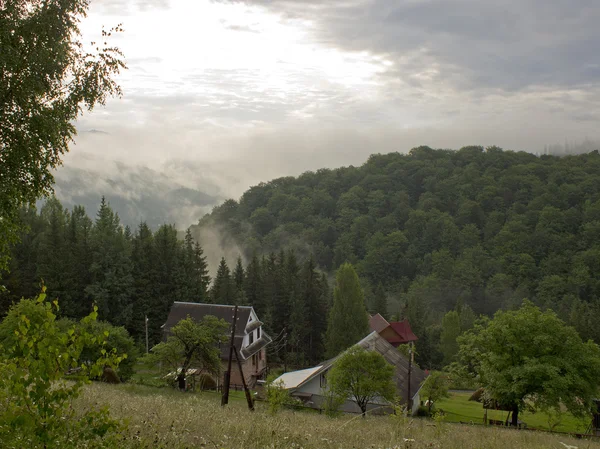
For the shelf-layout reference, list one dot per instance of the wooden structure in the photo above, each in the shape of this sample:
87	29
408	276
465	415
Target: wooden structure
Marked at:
248	337
395	333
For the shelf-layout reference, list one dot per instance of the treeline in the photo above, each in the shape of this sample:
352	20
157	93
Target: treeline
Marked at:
133	274
438	230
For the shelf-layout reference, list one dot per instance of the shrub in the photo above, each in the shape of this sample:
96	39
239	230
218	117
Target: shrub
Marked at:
35	399
117	338
277	395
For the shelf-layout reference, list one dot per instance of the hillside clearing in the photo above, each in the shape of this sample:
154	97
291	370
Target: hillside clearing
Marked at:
166	418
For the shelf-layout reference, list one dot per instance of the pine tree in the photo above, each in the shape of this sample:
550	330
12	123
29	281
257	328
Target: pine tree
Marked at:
222	291
238	274
52	250
315	303
348	319
283	274
168	249
202	277
192	278
239	294
143	260
253	286
111	281
272	288
380	304
21	281
78	266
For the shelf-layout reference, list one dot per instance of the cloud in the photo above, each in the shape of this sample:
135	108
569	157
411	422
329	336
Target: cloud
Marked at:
221	95
510	44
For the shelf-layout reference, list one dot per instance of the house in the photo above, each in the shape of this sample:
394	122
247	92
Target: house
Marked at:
309	385
396	333
250	338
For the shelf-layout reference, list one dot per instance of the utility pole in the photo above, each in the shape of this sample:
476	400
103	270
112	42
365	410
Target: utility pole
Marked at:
225	397
248	396
409	400
146	321
285	349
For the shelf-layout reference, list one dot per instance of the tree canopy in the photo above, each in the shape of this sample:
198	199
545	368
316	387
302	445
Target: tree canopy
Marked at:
480	227
348	319
361	376
529	356
47	78
192	344
434	388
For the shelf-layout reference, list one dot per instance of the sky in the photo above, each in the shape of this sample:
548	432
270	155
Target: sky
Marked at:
220	94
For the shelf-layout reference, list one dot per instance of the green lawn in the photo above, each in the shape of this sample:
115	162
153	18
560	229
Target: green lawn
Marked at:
458	408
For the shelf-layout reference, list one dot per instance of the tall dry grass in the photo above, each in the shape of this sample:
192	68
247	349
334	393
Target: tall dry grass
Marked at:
169	419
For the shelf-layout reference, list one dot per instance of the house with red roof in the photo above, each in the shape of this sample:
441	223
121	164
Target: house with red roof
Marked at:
395	333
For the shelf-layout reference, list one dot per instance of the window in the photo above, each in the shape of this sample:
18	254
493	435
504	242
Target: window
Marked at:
258	333
251	336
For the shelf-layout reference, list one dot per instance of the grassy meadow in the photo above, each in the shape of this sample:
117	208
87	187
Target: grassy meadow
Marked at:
166	418
458	408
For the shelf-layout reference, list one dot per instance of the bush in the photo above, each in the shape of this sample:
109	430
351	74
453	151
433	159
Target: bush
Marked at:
117	338
35	400
277	395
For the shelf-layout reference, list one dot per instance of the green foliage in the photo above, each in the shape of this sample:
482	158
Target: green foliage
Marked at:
223	288
434	388
348	319
84	261
48	80
482	228
361	376
117	338
36	400
380	304
277	395
528	356
451	330
191	345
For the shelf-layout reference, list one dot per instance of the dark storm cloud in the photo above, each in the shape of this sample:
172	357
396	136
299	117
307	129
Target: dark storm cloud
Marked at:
507	44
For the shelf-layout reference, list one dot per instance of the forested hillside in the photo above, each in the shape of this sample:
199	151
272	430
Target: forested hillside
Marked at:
436	236
133	274
438	230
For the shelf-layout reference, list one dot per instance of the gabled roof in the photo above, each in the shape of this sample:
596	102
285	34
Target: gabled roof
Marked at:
399	331
378	323
180	311
403	329
372	342
197	311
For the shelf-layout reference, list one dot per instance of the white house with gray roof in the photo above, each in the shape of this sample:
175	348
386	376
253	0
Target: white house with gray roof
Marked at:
309	385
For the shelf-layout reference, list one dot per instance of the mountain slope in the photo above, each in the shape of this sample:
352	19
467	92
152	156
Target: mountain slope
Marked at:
440	229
